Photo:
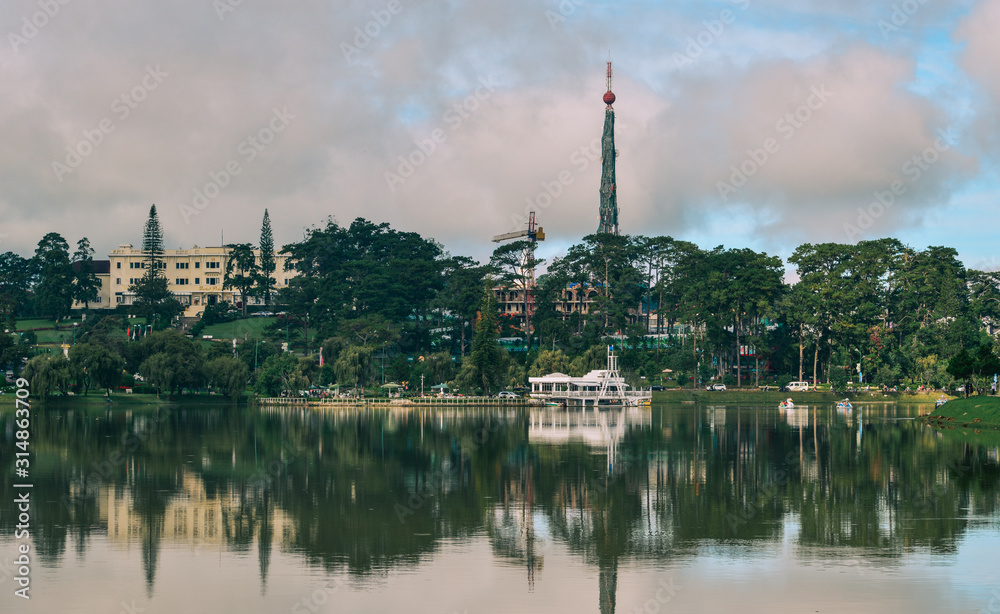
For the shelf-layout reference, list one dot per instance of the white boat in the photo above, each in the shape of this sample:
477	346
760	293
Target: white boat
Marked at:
844	405
941	400
604	387
787	404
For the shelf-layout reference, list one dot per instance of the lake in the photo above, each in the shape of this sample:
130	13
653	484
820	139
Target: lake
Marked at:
678	507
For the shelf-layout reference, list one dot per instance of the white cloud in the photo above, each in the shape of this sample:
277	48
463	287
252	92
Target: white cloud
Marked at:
678	130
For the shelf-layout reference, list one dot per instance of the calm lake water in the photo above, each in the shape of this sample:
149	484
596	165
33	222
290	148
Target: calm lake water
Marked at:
679	508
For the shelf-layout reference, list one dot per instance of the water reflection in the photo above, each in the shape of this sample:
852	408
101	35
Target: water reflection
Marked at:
369	492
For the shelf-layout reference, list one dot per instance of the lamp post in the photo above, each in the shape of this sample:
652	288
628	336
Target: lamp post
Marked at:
75	324
421	384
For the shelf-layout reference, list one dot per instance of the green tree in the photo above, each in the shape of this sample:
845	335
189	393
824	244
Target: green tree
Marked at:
265	270
86	284
280	373
152	242
987	364
463	284
486	363
609	263
438	368
962	366
355	366
228	375
369	330
153	299
550	361
47	374
366	268
96	365
54	286
15	286
984	298
513	266
107	332
242	272
170	361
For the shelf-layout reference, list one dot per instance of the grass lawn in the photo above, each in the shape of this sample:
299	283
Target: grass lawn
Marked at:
966	412
54	337
248	328
773	397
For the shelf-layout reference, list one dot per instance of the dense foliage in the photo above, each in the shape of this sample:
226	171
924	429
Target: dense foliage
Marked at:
391	306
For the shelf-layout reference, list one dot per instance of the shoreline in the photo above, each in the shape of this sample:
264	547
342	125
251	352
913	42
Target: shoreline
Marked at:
976	412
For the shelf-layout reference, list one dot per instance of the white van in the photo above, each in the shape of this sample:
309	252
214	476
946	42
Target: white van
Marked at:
798	387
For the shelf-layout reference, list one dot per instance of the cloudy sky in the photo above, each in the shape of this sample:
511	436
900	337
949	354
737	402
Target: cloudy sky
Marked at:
757	123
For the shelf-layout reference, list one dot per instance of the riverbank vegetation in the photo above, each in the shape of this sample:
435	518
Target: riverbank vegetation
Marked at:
974	412
371	305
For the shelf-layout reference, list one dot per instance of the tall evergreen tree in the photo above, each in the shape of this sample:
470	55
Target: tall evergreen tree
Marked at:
54	286
15	284
241	271
152	297
152	241
86	285
487	359
265	283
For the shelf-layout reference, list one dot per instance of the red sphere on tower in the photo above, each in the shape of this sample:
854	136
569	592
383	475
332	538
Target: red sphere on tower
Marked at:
609	98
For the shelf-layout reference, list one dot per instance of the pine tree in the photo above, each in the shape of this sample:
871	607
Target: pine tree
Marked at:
487	356
152	243
265	281
87	285
153	299
54	276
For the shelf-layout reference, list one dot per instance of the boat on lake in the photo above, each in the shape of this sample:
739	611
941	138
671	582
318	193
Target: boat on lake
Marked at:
844	405
787	404
941	400
600	387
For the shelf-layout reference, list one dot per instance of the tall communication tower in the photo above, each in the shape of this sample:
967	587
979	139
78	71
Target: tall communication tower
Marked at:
609	196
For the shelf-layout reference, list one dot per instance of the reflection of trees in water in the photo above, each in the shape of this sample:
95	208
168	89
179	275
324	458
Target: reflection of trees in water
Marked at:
370	491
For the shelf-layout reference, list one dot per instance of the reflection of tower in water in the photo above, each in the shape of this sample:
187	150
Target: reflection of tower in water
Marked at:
594	503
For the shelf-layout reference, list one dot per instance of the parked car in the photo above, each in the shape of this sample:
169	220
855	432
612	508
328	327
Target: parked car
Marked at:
507	394
798	386
720	387
656	388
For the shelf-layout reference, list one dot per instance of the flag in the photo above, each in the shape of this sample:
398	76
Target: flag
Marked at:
128	333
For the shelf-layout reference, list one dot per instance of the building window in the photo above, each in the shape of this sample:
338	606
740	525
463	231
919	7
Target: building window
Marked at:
197	280
197	265
211	280
181	265
118	281
119	265
181	281
211	265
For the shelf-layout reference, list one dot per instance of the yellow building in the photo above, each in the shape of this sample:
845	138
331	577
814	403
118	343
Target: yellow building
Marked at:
102	270
195	276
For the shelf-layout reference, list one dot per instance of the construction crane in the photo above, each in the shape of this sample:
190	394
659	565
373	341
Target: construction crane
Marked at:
534	234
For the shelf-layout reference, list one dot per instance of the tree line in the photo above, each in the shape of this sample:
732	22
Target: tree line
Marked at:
383	305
